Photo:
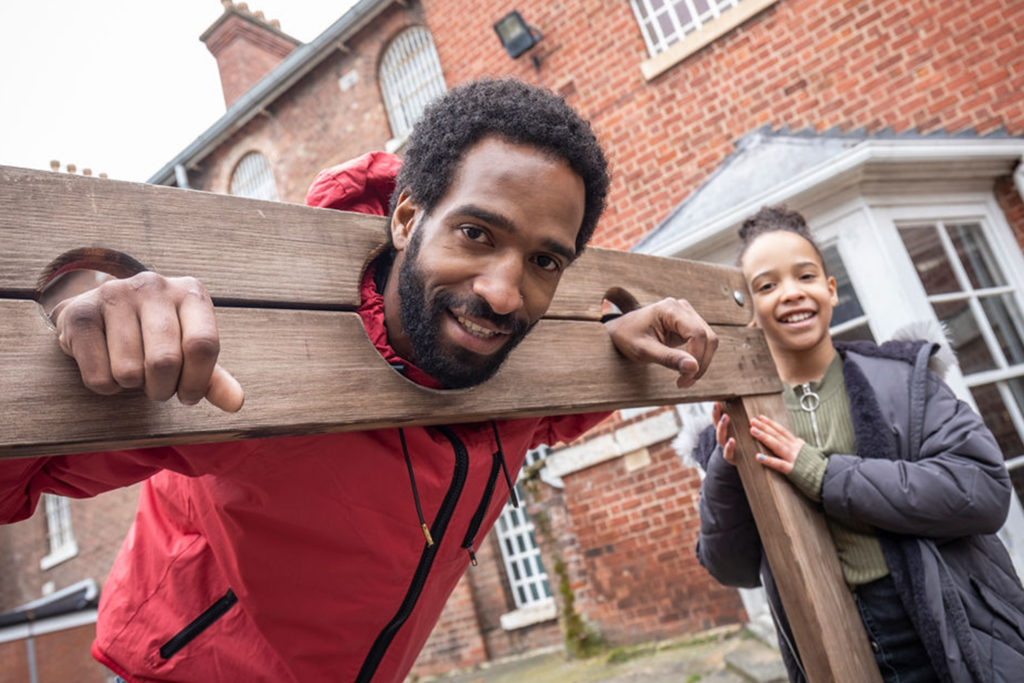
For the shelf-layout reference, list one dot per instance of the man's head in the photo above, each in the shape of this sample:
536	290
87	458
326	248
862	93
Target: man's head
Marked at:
493	204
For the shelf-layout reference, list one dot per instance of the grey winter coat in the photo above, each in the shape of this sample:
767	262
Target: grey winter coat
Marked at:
929	476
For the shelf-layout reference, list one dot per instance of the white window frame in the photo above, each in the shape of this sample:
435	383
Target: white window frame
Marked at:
59	535
527	577
685	38
253	177
410	78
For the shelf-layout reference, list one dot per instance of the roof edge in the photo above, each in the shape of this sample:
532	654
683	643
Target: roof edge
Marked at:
296	65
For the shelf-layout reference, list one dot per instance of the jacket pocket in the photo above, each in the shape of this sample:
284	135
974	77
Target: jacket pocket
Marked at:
198	625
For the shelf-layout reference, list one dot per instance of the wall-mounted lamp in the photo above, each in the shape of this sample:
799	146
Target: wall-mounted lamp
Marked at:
516	35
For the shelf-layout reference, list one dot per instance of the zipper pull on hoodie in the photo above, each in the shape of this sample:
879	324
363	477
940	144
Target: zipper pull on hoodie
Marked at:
472	556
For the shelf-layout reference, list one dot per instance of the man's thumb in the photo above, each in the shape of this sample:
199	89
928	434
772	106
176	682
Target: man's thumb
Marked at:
224	391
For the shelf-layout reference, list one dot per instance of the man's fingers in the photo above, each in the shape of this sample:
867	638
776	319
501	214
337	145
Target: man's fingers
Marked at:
81	331
124	343
200	343
161	338
224	391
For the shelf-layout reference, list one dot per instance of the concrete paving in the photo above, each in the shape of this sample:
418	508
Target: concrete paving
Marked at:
724	657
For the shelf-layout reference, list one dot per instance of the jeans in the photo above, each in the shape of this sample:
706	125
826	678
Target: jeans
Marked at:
900	655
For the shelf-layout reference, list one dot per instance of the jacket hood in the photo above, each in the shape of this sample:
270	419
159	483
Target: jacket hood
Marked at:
363	185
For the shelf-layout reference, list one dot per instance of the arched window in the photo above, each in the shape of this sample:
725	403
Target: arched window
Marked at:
253	178
410	78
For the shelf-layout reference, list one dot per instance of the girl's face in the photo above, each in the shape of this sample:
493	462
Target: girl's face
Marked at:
792	297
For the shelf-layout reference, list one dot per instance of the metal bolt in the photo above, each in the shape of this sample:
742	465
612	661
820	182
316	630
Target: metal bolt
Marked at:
738	297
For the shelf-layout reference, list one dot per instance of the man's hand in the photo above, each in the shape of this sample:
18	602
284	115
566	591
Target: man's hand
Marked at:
150	332
668	333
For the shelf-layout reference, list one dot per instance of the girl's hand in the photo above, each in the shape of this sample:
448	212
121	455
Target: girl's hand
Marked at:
783	444
727	443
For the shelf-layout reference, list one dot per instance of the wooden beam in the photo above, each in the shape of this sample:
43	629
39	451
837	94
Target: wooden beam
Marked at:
308	371
271	253
828	631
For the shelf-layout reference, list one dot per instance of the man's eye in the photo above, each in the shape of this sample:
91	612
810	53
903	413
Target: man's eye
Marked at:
546	262
474	233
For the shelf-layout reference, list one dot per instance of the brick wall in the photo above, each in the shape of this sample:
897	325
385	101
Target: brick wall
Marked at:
316	124
626	530
246	49
925	64
59	656
99	525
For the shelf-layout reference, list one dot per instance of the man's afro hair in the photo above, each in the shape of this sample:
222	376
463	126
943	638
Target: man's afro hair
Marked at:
513	111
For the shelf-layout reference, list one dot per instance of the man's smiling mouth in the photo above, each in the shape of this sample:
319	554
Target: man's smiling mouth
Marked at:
474	329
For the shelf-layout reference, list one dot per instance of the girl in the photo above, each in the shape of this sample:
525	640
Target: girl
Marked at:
911	482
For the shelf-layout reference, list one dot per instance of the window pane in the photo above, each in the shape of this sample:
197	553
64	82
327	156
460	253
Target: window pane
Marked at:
1005	319
971	351
975	255
253	178
533	590
849	306
410	78
683	12
997	417
929	259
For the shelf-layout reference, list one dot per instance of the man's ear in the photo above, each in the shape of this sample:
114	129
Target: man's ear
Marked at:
403	219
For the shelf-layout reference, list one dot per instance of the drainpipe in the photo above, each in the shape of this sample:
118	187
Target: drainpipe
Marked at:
30	652
181	177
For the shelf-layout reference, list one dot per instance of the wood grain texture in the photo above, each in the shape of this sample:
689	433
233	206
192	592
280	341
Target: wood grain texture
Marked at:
316	371
829	634
247	250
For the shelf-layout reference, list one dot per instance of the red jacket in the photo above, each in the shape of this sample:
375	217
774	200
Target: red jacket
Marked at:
297	558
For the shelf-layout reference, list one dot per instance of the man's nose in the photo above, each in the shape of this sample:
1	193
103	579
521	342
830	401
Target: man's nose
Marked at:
501	286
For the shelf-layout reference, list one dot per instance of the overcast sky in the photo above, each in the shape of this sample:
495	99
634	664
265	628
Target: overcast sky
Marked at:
118	86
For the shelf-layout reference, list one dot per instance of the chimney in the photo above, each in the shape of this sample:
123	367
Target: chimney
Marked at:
247	47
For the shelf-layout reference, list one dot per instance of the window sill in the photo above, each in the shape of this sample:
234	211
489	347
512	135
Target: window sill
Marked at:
677	52
62	555
528	616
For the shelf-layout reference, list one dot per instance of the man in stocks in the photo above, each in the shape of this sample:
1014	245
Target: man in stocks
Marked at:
330	557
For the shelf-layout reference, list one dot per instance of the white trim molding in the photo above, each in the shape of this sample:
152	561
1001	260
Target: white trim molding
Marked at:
629	439
871	162
528	616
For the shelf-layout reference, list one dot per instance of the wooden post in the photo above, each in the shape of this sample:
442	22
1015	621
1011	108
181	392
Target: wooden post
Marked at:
285	279
825	623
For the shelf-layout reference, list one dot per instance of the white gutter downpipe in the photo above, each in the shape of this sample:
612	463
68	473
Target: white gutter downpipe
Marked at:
181	177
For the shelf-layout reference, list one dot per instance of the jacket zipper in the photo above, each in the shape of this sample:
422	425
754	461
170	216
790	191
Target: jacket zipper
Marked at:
419	578
198	625
481	510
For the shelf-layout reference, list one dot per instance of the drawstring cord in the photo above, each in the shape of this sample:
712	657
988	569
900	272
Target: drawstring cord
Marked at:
514	499
415	493
504	467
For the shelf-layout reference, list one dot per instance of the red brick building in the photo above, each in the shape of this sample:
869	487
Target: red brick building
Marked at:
896	127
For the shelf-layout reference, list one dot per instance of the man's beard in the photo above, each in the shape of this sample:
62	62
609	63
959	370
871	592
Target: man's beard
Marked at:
455	367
